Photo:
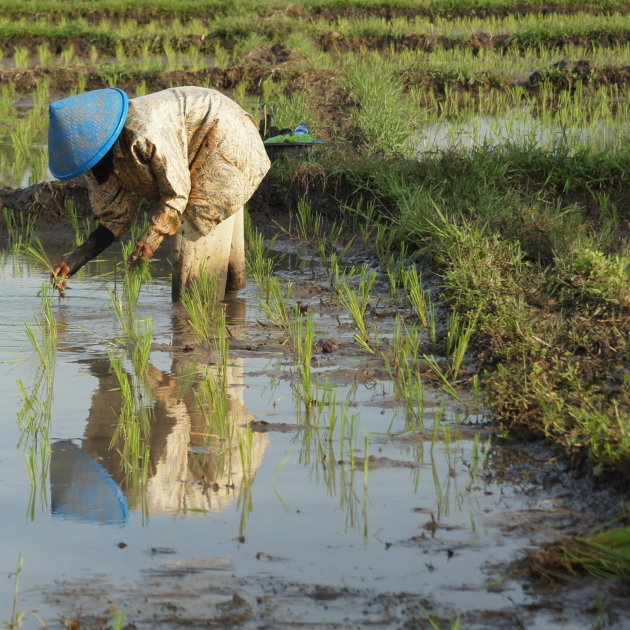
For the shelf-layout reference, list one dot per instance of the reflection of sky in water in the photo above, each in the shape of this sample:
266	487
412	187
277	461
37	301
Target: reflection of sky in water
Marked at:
519	128
302	506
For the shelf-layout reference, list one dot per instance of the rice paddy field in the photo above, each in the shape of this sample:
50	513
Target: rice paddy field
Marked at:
417	414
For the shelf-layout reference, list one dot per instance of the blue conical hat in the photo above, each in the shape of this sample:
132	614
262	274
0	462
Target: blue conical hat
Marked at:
83	128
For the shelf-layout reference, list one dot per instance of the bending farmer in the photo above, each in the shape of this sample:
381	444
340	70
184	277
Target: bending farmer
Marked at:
192	151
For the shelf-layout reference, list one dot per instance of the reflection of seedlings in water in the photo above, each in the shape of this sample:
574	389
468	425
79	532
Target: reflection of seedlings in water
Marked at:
478	458
245	500
35	414
133	430
355	301
329	451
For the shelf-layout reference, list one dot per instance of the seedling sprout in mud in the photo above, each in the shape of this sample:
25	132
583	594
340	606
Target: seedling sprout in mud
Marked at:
417	411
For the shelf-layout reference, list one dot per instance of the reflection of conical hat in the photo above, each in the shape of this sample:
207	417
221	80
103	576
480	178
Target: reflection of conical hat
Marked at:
83	128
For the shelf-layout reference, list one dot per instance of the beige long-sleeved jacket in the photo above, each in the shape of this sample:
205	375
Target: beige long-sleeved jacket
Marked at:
189	150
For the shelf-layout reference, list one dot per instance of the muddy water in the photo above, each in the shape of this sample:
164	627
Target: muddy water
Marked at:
283	532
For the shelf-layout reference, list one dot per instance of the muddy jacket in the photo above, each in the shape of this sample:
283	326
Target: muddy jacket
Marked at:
191	151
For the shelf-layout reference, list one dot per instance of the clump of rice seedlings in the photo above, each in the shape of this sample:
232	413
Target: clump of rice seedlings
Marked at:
275	303
200	300
125	302
245	45
21	57
260	262
240	93
442	376
67	56
386	118
291	110
478	458
458	337
7	98
309	223
355	301
605	554
20	228
221	57
94	55
420	299
304	334
195	59
173	60
44	54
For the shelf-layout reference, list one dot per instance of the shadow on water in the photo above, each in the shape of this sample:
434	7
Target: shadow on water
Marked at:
216	495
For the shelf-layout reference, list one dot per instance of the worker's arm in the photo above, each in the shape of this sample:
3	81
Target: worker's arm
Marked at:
168	166
95	243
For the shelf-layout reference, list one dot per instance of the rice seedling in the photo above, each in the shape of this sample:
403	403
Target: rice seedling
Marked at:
94	55
17	617
447	386
275	303
68	55
221	57
44	54
304	334
20	229
458	336
605	554
200	300
260	262
131	435
21	57
355	301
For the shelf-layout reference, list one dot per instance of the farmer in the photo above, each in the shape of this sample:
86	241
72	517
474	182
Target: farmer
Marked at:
193	152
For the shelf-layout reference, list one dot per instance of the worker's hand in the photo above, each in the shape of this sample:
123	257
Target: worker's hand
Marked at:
143	250
60	272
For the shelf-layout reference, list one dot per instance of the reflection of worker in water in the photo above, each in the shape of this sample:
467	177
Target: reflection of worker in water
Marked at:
189	467
192	151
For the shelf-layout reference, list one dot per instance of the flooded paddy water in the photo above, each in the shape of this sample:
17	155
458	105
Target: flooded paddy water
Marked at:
354	511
